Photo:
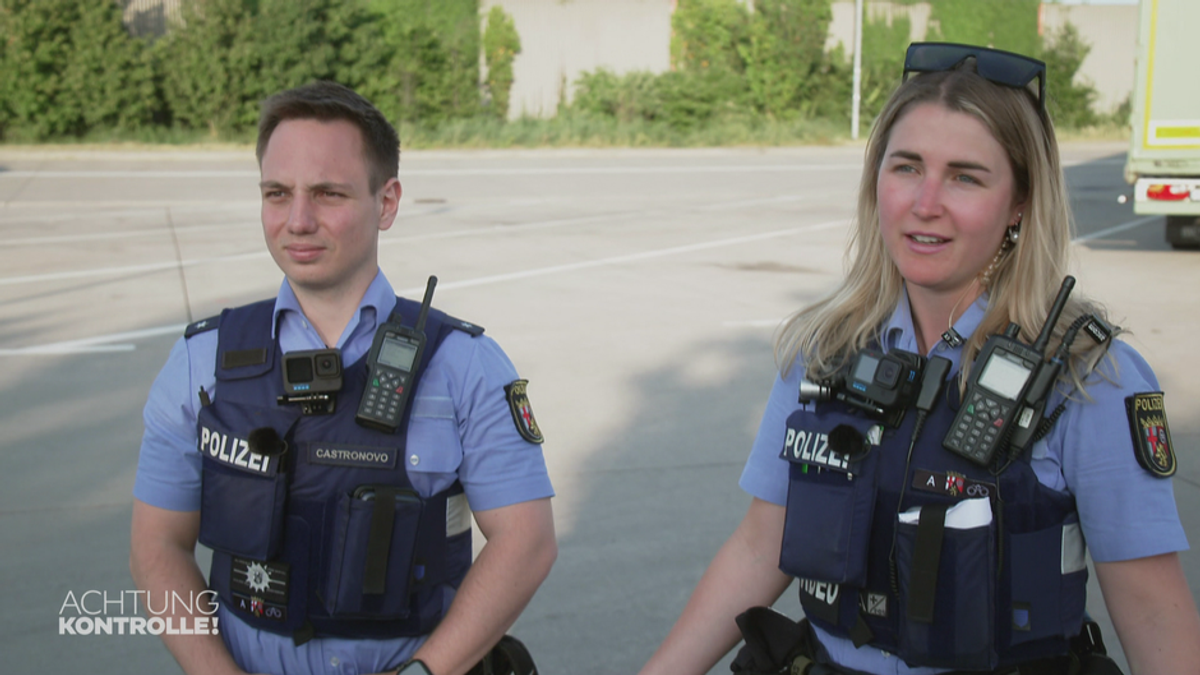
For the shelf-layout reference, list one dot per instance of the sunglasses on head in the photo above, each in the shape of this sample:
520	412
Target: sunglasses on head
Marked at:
994	65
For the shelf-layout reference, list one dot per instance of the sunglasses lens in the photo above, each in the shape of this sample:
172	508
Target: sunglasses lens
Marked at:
933	58
1008	70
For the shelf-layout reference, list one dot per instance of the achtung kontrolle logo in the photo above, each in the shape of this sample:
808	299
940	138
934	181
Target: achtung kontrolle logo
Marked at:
121	613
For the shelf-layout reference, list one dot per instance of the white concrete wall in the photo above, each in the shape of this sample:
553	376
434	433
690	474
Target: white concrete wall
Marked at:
562	38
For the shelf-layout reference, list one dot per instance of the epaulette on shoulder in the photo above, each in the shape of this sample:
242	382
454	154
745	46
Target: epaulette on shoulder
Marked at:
203	325
474	330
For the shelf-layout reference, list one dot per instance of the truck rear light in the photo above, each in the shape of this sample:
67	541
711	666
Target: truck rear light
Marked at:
1168	192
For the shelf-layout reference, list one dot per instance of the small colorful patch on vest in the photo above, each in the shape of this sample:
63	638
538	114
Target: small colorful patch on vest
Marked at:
522	411
260	588
1151	434
951	484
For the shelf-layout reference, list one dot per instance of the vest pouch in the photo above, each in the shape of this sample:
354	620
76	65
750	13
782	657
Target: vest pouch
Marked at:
1048	573
242	493
830	503
240	513
946	568
371	554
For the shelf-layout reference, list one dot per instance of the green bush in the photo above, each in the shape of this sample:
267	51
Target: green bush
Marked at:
1068	102
730	64
501	44
691	98
785	63
884	46
706	35
68	67
417	60
1011	25
299	41
433	73
629	97
210	64
231	54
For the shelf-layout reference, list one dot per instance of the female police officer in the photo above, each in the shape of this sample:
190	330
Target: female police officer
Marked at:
914	559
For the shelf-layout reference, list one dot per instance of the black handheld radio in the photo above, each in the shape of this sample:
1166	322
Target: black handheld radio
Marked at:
392	364
999	381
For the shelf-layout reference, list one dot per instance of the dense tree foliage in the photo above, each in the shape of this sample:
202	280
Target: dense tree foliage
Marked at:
69	68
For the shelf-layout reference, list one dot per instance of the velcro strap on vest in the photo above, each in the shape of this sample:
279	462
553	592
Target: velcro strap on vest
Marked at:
927	554
379	541
242	358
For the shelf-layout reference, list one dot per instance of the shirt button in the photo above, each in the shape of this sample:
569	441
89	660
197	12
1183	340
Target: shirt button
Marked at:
335	661
414	460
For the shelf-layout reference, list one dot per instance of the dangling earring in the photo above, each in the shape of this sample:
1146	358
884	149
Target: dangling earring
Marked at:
1006	244
985	277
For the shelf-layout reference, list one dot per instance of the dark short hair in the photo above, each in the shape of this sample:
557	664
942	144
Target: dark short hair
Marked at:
327	102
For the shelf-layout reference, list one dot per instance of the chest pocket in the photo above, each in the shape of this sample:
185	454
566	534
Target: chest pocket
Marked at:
832	465
434	446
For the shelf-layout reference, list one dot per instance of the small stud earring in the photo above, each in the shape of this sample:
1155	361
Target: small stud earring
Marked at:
1014	230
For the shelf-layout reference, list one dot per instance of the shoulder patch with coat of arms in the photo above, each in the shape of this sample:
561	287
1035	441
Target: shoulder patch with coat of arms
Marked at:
1151	436
522	411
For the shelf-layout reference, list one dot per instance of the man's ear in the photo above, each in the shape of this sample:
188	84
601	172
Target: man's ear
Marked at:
389	203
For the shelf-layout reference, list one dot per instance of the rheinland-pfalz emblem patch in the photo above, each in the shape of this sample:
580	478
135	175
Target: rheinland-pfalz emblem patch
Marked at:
1151	436
522	411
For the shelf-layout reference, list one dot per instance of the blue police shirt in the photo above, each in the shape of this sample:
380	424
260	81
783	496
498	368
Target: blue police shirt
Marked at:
1125	512
461	428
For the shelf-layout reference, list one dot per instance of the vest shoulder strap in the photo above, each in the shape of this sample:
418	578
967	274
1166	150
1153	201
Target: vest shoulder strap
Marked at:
202	326
408	310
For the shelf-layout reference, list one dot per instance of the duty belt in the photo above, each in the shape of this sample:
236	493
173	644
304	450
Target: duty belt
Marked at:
776	645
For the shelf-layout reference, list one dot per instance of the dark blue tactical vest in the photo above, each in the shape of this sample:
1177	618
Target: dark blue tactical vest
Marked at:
965	591
328	538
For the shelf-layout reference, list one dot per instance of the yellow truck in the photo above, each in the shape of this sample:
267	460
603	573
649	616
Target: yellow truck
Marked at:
1164	155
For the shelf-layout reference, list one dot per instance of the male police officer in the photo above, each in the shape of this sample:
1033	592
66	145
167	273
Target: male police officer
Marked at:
338	548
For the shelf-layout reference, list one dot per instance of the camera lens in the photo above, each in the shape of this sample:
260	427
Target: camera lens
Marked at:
888	374
327	365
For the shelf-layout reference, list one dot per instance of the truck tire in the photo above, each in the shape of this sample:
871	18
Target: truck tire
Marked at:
1183	232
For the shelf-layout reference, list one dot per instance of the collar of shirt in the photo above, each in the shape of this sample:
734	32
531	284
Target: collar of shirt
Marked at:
898	332
294	332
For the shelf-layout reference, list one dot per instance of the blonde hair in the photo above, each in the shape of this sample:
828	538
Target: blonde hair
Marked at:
1026	277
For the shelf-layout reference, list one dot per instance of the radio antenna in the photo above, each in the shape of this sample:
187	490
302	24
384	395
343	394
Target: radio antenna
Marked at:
429	301
1056	309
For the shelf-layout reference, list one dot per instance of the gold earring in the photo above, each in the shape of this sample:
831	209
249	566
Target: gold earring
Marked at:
985	277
